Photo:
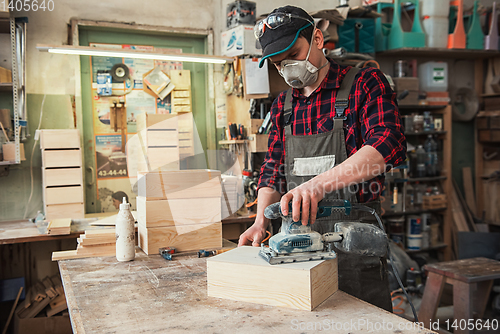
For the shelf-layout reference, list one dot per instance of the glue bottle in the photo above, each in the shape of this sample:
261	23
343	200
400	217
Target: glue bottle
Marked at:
125	233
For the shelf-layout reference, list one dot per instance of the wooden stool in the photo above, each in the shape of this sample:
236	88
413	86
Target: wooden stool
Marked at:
467	276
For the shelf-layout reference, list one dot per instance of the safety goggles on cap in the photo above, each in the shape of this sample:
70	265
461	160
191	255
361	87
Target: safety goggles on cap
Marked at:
274	21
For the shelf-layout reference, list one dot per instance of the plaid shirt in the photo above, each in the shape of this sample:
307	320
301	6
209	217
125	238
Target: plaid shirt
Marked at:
372	119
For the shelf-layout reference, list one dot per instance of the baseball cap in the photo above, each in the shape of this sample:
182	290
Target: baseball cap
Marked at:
282	38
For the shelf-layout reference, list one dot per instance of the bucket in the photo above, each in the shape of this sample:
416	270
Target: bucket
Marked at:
414	242
435	8
436	31
414	225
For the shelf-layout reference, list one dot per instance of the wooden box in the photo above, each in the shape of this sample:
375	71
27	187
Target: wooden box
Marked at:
62	176
194	183
434	202
241	274
72	210
183	238
9	151
61	158
255	125
63	195
491	135
59	139
161	138
177	212
156	122
258	143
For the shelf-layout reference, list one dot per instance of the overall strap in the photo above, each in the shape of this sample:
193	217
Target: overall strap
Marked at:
342	99
288	111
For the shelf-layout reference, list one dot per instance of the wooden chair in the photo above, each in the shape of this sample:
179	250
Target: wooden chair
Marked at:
472	280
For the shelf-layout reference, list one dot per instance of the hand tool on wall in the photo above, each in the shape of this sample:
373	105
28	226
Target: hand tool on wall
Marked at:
296	242
118	119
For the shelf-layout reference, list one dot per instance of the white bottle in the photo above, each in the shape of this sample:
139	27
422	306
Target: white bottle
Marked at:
125	233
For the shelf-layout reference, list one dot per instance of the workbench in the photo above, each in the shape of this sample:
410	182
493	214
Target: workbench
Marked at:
151	294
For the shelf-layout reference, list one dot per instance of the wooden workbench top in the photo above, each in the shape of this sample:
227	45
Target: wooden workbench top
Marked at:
151	294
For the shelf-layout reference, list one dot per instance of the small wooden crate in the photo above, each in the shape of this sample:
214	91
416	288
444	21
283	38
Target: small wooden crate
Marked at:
434	202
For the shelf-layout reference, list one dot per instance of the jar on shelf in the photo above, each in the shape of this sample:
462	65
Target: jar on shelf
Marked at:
418	123
428	124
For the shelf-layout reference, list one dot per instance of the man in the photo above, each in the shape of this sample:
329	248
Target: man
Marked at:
333	136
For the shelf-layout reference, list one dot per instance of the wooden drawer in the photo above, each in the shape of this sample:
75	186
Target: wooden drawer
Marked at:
61	158
161	156
73	210
162	138
156	121
62	176
59	139
63	195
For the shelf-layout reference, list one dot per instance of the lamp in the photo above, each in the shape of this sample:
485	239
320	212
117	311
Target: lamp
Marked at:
104	52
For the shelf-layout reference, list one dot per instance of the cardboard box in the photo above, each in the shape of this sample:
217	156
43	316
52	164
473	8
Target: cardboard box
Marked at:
239	41
9	151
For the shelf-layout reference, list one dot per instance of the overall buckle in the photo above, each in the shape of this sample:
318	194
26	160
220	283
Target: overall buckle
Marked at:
340	108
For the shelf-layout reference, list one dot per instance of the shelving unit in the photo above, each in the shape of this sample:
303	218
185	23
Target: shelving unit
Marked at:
444	179
17	32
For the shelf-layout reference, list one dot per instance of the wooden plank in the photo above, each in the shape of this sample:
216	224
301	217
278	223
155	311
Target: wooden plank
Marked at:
65	255
458	215
156	122
183	238
241	274
62	176
181	79
72	210
469	189
84	241
64	195
63	223
12	311
462	303
61	158
160	157
57	139
194	183
432	296
98	250
176	212
471	270
162	138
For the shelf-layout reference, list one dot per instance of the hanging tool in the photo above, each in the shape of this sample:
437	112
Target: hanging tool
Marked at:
297	242
118	119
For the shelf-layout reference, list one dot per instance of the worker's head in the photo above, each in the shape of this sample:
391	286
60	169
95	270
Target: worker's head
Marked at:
118	198
290	39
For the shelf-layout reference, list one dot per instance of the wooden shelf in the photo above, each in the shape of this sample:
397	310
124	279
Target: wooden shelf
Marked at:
411	212
420	107
424	133
439	53
427	179
440	245
232	142
5	86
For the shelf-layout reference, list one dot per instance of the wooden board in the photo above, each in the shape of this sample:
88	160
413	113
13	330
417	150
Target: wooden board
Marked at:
241	274
183	238
194	183
158	157
61	158
57	139
62	176
59	226
175	212
161	138
63	195
156	121
73	210
469	189
181	79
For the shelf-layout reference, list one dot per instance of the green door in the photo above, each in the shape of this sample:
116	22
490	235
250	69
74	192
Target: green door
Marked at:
97	186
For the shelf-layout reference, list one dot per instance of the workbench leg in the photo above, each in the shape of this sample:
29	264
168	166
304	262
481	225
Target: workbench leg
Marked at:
462	305
481	297
431	298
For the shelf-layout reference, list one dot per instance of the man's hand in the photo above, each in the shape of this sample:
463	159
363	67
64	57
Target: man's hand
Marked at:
253	236
305	196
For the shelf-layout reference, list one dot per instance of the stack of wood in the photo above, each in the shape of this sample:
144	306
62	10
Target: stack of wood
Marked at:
101	242
59	226
46	295
62	174
180	209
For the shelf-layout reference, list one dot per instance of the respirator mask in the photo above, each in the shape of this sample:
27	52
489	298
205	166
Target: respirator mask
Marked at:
300	73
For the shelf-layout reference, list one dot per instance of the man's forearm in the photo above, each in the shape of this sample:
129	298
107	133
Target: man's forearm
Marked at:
266	197
363	165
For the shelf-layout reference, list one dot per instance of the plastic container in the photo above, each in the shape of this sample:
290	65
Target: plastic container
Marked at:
435	8
125	233
436	31
414	242
428	121
413	225
431	161
433	76
421	160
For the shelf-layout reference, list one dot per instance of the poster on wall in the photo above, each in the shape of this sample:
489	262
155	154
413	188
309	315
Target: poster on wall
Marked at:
110	160
138	102
111	192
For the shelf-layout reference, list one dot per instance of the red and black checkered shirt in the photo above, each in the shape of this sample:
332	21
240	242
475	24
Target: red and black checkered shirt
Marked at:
372	119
